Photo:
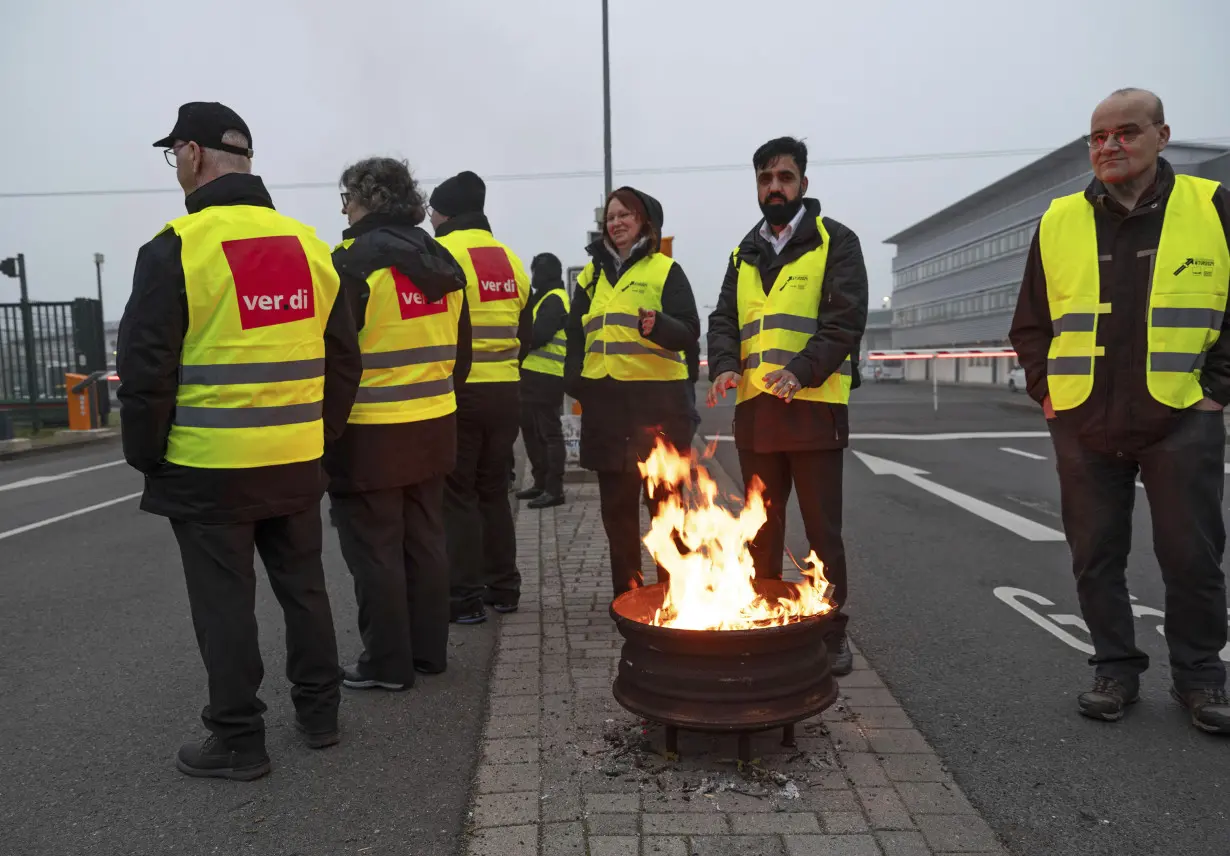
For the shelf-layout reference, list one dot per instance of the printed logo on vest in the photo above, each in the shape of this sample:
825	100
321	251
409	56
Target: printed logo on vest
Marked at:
496	280
1196	267
273	282
412	302
796	281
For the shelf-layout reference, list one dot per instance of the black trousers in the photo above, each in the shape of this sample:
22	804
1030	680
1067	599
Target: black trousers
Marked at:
482	544
816	477
1184	483
219	569
395	546
544	443
620	495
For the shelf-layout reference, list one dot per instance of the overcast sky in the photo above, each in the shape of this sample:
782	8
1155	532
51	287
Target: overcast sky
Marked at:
514	87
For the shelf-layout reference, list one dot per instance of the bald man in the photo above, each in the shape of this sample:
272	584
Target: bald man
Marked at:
1121	327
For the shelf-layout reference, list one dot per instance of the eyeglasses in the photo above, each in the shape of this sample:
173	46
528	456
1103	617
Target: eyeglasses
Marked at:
169	156
1122	136
345	199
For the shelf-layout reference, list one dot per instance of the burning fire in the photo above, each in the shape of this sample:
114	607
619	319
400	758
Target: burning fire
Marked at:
710	584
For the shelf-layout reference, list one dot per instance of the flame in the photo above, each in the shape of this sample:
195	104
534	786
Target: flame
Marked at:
710	584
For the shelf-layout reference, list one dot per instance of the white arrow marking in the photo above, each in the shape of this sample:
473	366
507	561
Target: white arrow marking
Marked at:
1013	597
1030	455
31	482
1014	523
61	517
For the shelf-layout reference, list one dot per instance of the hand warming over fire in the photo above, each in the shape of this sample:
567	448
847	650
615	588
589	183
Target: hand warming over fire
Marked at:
721	383
648	317
783	384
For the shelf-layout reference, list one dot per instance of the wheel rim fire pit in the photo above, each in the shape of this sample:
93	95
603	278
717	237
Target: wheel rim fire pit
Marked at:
721	681
713	649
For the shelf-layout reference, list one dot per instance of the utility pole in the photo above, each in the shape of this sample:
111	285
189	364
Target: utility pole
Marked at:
606	100
16	267
98	263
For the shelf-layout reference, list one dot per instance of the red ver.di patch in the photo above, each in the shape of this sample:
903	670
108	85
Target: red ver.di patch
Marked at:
496	280
273	282
413	303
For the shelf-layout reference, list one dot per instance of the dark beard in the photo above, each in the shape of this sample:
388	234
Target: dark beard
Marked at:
780	213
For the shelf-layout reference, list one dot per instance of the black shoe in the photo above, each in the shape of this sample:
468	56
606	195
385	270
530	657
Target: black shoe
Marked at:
470	616
547	500
530	493
1209	707
425	668
351	678
210	759
318	739
841	658
1107	700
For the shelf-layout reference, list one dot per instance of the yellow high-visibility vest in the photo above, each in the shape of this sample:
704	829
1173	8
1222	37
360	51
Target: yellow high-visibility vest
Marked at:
774	328
549	359
1187	300
497	289
260	287
614	346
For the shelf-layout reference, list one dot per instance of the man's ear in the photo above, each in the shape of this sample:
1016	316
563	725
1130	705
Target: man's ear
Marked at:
803	187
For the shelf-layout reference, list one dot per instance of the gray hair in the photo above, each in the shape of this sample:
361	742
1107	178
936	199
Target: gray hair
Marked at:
1159	112
226	162
385	186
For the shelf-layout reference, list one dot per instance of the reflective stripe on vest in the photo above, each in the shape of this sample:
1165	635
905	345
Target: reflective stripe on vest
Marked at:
614	346
497	289
774	328
409	348
260	287
549	359
1187	296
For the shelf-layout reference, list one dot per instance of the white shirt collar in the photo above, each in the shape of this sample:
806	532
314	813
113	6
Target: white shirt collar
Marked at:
779	240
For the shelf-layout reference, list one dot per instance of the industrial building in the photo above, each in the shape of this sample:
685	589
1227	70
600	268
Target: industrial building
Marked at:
956	275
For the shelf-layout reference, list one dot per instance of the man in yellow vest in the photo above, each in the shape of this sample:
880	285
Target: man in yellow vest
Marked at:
1122	329
785	332
387	470
481	539
237	364
542	384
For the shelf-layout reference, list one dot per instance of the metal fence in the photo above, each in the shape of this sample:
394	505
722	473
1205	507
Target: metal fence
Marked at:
38	350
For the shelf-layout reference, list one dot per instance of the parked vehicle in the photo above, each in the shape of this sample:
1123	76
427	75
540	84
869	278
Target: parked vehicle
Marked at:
1016	379
893	370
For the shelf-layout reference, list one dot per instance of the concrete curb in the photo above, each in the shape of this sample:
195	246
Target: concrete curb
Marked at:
24	447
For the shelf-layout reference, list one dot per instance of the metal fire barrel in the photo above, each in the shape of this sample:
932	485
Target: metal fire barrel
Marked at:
721	680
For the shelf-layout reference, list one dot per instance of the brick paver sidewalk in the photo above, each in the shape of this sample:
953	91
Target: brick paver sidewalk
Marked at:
565	770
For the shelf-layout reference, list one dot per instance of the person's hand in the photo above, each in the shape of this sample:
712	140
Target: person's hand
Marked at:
783	384
647	318
721	383
1047	410
1207	404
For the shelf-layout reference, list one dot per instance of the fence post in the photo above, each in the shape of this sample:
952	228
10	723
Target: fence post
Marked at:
27	335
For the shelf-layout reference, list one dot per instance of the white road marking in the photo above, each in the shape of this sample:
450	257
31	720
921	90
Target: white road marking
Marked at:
1029	455
1227	468
31	482
61	517
962	435
1014	523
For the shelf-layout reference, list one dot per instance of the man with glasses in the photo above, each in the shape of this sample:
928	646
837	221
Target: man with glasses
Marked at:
1121	327
237	364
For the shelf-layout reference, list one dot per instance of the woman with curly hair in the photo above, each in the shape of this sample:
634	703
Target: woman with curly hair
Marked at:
387	469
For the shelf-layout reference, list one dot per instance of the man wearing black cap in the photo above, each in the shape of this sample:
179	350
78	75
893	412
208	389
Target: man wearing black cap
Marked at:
542	384
484	568
237	364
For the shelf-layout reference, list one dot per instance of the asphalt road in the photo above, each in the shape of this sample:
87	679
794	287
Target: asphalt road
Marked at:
992	689
101	680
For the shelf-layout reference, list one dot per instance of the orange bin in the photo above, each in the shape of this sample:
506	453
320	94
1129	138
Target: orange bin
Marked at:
82	409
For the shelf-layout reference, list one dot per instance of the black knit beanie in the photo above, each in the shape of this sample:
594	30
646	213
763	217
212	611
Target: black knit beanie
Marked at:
464	193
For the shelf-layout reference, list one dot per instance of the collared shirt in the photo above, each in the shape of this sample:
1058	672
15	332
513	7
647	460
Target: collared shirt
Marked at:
779	240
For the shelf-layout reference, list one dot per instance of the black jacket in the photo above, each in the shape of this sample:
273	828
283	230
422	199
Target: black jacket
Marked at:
475	220
620	419
766	423
1120	414
546	274
378	457
150	345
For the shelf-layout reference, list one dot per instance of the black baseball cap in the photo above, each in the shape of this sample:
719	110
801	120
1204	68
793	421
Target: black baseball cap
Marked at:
204	123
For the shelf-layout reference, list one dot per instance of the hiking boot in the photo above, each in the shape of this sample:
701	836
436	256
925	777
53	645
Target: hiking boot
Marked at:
356	681
530	493
318	739
1209	707
546	500
841	658
472	615
1107	700
211	759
